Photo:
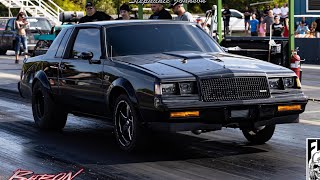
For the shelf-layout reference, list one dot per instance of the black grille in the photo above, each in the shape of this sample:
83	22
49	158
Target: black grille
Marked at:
236	88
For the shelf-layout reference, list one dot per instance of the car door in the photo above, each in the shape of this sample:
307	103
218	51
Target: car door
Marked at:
9	35
81	76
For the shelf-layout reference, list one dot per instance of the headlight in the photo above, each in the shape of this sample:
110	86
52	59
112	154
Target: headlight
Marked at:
169	89
284	83
275	83
181	88
288	82
186	88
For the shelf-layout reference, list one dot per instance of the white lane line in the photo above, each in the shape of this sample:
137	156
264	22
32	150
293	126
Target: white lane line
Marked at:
309	112
9	76
309	87
303	66
310	122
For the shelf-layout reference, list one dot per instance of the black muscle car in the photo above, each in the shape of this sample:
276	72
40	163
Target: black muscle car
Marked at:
158	75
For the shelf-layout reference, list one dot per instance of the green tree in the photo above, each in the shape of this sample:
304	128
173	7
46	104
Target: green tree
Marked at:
69	5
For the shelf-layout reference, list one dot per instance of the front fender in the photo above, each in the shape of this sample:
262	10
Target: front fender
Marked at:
124	85
43	79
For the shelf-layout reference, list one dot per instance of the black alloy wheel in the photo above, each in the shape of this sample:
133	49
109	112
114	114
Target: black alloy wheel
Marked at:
127	125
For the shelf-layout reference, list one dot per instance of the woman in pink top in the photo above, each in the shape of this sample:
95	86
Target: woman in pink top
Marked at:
262	32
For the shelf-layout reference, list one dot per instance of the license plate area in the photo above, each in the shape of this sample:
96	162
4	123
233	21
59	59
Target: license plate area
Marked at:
243	113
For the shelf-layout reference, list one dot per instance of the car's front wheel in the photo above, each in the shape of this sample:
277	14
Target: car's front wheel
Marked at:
46	114
127	125
259	135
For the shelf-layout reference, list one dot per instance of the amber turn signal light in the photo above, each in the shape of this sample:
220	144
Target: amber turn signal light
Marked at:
184	114
289	108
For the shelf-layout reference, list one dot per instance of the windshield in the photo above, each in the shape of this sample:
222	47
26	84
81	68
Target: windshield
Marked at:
158	38
41	24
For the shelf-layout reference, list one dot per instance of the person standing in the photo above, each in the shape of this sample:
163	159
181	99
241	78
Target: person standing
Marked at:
262	29
226	13
21	36
276	10
286	28
266	11
254	24
247	14
317	30
179	10
94	15
268	21
159	12
277	27
284	12
125	12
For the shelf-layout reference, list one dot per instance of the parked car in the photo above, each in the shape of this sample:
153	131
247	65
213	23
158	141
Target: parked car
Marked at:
3	22
159	75
7	36
236	20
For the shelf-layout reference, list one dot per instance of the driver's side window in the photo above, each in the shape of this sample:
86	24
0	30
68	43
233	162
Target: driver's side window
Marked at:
87	41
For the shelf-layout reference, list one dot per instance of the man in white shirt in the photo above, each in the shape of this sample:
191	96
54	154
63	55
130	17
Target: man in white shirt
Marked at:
276	11
284	12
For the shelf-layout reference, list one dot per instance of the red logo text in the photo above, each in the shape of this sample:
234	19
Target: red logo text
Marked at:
29	175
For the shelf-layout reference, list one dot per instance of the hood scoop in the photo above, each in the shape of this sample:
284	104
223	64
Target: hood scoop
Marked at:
187	55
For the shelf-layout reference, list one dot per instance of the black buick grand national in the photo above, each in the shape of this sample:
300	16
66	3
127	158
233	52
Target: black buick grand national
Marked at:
158	75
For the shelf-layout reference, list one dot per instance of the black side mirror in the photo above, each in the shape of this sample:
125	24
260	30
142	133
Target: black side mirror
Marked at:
88	56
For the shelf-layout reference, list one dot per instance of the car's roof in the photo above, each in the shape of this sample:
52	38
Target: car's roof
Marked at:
128	22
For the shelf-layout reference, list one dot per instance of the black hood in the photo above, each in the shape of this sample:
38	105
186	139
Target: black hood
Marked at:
201	64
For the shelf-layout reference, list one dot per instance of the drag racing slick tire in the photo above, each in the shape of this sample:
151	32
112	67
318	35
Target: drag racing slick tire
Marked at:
46	114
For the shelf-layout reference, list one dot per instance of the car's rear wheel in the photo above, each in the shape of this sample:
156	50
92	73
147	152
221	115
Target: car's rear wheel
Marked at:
46	114
127	125
260	134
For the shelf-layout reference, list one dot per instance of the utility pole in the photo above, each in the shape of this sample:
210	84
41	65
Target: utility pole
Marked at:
291	27
140	11
219	17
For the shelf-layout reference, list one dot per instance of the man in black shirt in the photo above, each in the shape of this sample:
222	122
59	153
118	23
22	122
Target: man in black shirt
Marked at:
159	12
247	14
94	15
266	11
277	27
125	12
226	18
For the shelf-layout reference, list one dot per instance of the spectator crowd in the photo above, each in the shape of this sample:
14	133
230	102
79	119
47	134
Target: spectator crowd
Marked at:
275	22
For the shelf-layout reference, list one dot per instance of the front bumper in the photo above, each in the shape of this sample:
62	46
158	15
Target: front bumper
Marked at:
191	126
215	115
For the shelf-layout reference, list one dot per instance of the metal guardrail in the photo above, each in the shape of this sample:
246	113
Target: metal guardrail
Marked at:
39	8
